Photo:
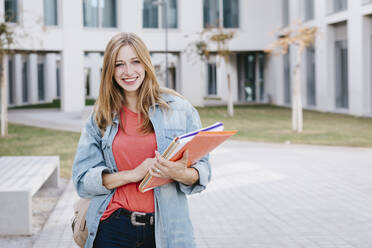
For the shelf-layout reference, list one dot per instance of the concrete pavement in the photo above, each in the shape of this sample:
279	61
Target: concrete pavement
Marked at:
50	118
261	195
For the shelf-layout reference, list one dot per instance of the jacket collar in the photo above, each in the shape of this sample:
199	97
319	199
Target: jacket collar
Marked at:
167	97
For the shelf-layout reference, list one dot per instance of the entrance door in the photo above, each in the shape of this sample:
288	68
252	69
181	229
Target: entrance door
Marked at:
247	77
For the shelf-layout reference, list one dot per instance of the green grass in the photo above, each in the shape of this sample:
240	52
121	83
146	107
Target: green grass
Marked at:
255	123
25	141
266	123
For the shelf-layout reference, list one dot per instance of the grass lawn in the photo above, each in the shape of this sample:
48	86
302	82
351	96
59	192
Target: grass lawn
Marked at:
255	123
273	124
25	141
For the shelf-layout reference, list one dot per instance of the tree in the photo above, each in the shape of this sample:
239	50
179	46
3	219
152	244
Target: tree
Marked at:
12	34
220	38
6	40
300	36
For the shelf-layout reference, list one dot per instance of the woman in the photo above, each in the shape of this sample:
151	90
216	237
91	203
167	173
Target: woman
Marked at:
133	122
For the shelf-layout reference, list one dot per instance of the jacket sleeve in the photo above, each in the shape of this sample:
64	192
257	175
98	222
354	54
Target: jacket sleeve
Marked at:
202	166
89	163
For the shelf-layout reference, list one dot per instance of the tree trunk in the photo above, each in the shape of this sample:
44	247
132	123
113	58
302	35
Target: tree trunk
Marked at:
225	69
297	119
4	99
230	105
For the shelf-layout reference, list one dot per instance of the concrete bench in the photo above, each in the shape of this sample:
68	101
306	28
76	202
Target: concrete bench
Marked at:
20	178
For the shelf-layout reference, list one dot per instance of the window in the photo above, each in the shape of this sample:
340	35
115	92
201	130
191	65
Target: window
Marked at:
11	10
50	13
341	70
40	82
212	79
58	81
339	5
223	13
231	13
150	14
10	80
310	76
108	16
287	77
285	13
154	15
261	63
24	81
87	72
211	11
99	13
250	83
309	9
171	14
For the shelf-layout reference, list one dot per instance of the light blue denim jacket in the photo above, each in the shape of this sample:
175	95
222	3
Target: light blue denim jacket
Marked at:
173	228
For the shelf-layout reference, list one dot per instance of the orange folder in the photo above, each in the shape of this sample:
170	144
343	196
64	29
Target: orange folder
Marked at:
199	146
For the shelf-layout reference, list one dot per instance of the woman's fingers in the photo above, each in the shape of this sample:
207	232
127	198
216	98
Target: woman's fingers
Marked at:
168	169
158	170
185	157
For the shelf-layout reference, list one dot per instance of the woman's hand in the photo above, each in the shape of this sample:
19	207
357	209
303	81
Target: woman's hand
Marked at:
114	180
140	171
177	171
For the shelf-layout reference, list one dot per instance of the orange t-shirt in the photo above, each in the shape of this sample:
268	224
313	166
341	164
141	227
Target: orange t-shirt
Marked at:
130	149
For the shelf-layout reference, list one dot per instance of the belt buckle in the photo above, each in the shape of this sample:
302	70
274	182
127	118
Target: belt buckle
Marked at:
133	218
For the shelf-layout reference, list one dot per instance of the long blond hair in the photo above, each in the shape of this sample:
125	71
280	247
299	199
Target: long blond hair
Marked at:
112	97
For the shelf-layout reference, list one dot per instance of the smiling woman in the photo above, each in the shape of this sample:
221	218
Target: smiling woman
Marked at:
122	142
129	71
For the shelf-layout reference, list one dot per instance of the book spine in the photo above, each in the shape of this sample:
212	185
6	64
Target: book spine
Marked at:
170	153
170	147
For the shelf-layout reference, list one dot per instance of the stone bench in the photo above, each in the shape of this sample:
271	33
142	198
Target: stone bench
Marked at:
20	178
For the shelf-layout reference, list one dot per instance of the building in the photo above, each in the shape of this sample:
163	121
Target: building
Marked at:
66	64
337	69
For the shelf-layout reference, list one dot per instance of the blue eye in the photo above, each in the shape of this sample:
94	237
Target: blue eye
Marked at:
117	65
137	62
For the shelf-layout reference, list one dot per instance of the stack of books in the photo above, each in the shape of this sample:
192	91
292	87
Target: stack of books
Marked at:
198	143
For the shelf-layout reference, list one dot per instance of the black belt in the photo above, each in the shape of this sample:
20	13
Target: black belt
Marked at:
137	218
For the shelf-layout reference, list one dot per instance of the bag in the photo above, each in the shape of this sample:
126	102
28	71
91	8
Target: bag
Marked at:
78	223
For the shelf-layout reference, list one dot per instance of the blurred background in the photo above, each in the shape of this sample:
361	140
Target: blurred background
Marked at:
276	182
60	53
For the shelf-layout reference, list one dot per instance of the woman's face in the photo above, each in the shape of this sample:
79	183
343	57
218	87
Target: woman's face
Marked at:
129	71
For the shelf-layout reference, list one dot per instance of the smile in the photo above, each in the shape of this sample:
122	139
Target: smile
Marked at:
130	81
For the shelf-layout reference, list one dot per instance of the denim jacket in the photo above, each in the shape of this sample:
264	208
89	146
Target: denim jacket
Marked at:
173	228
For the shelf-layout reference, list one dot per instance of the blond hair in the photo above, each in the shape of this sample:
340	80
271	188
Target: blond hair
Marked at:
112	97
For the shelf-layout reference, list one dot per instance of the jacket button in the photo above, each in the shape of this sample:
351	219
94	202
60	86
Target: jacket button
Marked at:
91	234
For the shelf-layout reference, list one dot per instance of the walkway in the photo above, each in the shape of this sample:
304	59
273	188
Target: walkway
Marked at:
261	195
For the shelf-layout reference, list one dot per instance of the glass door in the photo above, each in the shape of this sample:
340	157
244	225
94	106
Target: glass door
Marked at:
247	77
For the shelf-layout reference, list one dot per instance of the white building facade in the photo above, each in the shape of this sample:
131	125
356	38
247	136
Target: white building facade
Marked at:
336	71
62	55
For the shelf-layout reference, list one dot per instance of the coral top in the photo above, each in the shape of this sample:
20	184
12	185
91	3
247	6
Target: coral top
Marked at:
130	149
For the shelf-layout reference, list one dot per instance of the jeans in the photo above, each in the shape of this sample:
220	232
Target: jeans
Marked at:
117	231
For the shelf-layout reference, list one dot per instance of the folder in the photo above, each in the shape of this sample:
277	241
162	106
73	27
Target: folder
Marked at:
179	141
198	143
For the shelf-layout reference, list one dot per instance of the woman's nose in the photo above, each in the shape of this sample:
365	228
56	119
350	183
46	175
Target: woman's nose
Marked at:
128	70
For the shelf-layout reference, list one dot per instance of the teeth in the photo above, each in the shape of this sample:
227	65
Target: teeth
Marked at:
130	79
